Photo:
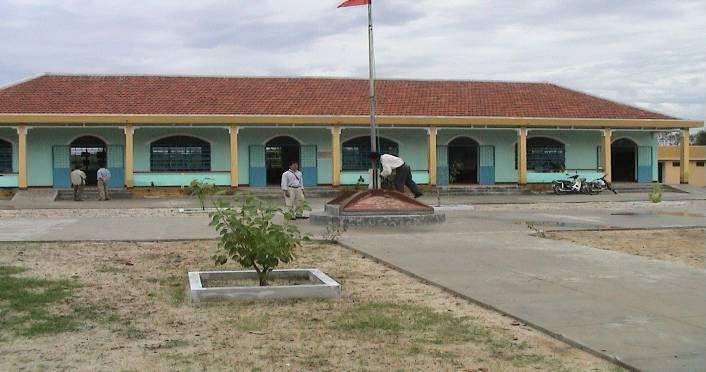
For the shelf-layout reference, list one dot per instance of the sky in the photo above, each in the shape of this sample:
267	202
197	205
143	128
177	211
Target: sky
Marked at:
648	53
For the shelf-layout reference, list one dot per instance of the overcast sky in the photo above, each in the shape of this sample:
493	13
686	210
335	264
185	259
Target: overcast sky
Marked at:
641	52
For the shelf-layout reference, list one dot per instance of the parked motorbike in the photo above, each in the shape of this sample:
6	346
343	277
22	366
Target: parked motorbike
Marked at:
597	186
573	185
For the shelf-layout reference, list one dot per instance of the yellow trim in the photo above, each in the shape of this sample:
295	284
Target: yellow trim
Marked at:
129	162
607	154
684	170
432	156
522	154
233	155
419	121
696	153
336	156
22	156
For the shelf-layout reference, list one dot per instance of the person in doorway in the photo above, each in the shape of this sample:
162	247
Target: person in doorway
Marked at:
293	187
103	176
398	170
78	180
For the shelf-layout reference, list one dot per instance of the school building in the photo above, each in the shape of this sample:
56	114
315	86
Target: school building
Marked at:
242	131
669	160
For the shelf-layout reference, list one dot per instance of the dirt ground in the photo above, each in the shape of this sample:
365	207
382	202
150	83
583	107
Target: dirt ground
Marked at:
384	321
678	245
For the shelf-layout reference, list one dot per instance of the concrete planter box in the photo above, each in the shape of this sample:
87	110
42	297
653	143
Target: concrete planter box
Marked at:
322	286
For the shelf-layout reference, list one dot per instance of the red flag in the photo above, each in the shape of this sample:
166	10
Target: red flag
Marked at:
348	3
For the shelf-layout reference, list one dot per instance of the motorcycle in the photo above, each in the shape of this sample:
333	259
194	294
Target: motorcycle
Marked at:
598	185
573	185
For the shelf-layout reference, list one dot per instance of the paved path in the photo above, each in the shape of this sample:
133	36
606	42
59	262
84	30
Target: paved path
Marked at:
647	313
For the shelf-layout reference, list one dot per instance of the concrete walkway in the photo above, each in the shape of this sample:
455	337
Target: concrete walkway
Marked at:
645	313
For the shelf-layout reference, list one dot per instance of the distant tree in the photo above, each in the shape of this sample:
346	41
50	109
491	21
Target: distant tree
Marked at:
699	139
669	138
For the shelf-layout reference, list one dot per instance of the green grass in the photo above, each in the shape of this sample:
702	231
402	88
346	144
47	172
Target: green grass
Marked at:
26	304
427	325
422	325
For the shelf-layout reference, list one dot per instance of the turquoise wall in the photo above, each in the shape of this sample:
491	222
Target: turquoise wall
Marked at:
581	149
10	135
503	140
413	149
220	156
181	179
41	140
307	136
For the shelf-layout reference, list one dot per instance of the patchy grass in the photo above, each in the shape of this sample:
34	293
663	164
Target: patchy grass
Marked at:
685	246
133	317
424	325
32	307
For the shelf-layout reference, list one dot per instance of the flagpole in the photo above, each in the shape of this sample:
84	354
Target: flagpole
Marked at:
371	67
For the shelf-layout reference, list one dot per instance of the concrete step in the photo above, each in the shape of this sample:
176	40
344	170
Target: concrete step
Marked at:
628	188
330	192
92	194
43	195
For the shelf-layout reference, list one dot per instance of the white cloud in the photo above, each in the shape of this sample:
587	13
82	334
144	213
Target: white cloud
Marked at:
646	53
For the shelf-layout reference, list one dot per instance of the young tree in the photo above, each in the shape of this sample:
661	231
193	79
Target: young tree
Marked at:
202	190
250	236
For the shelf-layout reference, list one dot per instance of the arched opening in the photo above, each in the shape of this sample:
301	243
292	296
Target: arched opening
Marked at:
545	155
623	160
463	160
180	154
89	153
279	153
355	152
5	156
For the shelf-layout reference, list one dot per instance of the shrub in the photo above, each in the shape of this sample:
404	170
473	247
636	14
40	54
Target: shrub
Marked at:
250	237
656	193
202	190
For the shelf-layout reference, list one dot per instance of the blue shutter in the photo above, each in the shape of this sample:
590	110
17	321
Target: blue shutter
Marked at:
309	165
487	165
644	164
61	166
258	175
442	165
116	165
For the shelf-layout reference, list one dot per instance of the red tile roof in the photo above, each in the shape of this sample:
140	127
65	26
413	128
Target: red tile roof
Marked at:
153	95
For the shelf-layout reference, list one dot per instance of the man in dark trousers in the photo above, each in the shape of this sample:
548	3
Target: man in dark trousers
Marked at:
402	175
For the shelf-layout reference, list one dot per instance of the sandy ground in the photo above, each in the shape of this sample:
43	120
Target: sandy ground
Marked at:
682	246
152	328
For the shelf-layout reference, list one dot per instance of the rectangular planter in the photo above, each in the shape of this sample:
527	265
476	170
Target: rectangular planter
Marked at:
322	286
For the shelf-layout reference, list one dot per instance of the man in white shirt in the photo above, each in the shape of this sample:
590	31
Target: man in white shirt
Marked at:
103	176
399	170
293	187
78	179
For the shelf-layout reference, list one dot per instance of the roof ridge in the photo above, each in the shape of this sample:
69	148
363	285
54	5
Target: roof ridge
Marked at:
22	81
300	77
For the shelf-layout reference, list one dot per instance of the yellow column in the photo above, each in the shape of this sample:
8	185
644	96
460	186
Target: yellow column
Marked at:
522	155
233	130
432	156
684	160
129	151
22	156
336	156
607	142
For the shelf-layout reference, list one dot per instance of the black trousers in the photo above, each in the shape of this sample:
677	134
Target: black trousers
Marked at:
403	177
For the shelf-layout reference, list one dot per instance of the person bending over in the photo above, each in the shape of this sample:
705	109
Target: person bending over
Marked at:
395	167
